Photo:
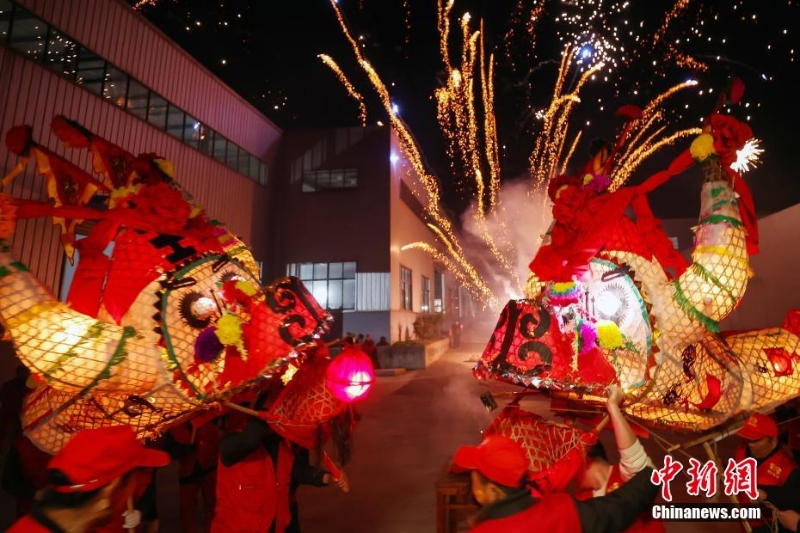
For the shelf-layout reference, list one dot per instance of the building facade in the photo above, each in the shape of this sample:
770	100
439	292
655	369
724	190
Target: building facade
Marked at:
101	64
343	213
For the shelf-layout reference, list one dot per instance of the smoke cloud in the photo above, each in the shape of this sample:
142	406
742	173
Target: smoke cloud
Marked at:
522	218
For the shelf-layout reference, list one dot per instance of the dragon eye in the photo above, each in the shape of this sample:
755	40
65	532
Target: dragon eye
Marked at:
197	309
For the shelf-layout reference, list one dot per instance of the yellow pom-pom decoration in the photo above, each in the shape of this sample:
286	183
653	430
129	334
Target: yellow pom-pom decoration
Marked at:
246	287
229	330
587	179
563	286
608	335
703	147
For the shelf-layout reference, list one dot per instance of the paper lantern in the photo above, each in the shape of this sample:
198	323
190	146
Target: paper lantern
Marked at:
350	375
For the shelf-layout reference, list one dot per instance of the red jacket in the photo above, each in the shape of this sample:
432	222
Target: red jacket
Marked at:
36	522
27	524
772	471
253	492
553	514
643	524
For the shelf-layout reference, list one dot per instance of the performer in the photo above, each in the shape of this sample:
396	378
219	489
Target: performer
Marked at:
598	477
775	463
256	475
91	481
499	466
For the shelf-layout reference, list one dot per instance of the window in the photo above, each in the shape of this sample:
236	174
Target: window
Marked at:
322	180
232	156
244	162
157	111
28	34
137	99
438	291
426	295
6	8
91	70
116	86
192	130
253	170
406	301
175	120
62	54
262	173
220	143
332	284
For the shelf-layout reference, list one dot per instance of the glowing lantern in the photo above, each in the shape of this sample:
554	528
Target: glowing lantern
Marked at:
350	375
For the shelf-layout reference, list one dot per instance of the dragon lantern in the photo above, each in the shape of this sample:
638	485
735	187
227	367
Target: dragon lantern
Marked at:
609	299
174	321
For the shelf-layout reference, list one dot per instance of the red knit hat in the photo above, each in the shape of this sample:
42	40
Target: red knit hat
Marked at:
499	459
757	427
96	457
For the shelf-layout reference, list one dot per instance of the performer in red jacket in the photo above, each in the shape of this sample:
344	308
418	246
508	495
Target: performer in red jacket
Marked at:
775	463
598	477
92	478
499	466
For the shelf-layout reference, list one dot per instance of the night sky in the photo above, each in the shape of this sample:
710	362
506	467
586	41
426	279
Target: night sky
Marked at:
267	51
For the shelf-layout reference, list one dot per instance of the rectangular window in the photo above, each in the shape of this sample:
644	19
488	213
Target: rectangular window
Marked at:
157	111
192	131
28	34
220	143
333	285
324	180
91	70
115	86
426	295
6	8
253	170
244	161
137	99
406	301
175	119
262	173
438	291
232	159
61	55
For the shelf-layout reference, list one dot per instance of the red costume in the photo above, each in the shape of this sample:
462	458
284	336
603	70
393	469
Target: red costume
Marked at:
198	470
772	470
253	489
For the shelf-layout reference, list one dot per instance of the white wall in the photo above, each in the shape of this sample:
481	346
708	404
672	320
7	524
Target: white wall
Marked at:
775	288
405	229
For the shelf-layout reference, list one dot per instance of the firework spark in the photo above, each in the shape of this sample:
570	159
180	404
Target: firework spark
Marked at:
748	157
351	90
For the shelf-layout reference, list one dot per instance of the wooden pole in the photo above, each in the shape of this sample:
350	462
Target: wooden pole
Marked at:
713	457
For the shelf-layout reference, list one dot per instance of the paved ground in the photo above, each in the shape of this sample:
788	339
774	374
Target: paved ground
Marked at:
409	428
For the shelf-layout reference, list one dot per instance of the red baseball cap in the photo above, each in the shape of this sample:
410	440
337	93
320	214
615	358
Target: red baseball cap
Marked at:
94	458
757	427
500	459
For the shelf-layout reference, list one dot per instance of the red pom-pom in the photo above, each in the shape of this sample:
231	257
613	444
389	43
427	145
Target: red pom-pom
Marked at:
737	90
72	134
19	140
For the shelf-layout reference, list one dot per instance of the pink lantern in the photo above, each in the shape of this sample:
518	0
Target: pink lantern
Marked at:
350	375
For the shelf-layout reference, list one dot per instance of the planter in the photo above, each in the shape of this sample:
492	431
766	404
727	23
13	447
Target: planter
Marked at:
411	357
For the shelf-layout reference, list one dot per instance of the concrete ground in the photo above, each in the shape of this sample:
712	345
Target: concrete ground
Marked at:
409	428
